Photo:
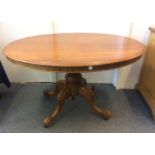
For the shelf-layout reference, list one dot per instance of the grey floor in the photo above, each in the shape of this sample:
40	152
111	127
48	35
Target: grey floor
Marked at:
23	108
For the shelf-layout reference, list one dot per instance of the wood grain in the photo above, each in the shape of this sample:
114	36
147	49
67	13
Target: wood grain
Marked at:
73	85
146	84
73	52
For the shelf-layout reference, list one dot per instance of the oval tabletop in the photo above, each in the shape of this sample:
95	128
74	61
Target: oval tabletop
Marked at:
74	52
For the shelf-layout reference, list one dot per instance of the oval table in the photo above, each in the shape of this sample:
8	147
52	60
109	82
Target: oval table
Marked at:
74	53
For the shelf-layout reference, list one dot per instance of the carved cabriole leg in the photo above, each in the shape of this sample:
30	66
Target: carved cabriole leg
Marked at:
92	87
73	85
59	85
61	97
88	94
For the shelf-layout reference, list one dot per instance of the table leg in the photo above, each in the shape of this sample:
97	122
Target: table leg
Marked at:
73	85
88	94
59	85
61	97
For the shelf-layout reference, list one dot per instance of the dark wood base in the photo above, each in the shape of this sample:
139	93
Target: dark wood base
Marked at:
73	85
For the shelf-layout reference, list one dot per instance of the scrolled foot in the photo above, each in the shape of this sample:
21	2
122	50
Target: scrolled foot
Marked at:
106	114
48	121
61	97
88	94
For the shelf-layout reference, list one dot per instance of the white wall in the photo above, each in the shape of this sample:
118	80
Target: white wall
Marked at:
10	31
14	30
121	28
128	76
86	16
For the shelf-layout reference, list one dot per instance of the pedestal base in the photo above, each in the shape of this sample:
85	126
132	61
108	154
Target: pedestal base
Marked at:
73	85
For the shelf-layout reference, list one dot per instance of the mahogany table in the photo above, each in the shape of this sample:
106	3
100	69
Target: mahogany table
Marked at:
74	53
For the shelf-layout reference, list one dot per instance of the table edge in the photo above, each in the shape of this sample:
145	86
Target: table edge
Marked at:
79	69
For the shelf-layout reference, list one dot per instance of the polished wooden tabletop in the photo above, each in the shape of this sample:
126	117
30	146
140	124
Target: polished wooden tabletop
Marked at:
74	52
